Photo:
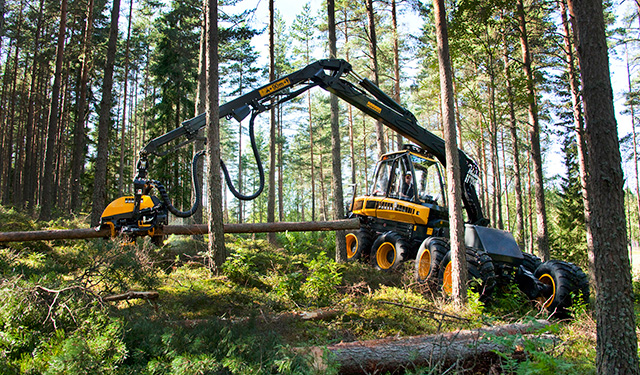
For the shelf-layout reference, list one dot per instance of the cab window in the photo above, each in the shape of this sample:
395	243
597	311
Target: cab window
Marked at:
381	180
429	181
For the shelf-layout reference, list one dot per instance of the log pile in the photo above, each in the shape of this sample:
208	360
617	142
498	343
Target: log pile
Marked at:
391	354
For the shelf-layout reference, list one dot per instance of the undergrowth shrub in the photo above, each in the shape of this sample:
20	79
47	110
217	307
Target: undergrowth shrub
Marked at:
507	299
324	276
249	262
310	243
56	331
208	348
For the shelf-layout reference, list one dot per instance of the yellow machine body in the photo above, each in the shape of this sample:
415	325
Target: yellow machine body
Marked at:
120	212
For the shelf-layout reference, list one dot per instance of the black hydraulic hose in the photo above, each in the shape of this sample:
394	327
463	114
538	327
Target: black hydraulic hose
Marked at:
194	181
256	154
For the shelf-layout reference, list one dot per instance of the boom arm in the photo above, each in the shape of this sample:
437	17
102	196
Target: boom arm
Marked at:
331	75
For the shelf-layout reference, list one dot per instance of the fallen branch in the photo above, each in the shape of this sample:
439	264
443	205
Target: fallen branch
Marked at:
152	296
391	354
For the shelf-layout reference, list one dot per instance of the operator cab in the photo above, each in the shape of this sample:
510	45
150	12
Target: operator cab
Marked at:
411	175
406	196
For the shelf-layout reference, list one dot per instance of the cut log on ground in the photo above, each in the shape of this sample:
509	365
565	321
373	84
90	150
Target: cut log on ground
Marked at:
86	233
152	296
393	354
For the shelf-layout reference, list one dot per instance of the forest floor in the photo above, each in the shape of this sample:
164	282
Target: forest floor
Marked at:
255	316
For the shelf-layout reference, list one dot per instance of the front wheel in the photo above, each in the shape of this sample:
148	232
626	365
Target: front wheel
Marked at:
565	283
388	251
481	273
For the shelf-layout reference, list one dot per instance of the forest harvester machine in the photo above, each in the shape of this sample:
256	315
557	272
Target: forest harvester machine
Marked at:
404	214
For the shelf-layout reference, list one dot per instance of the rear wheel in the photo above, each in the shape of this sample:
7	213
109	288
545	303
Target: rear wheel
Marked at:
388	251
565	283
481	273
429	258
358	244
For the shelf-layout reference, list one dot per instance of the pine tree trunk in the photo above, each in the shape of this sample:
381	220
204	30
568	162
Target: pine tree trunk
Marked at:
217	251
513	130
373	50
364	153
454	192
323	191
7	123
200	107
48	196
617	346
578	119
79	134
123	126
19	174
313	167
271	199
336	140
104	120
396	64
495	158
280	167
542	236
30	149
352	150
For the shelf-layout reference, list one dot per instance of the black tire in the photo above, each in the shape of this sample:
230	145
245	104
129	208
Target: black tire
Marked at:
358	245
566	281
531	262
430	256
388	251
582	283
481	276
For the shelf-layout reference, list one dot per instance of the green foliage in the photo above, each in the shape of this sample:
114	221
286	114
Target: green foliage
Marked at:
310	243
508	299
56	331
568	236
324	276
208	348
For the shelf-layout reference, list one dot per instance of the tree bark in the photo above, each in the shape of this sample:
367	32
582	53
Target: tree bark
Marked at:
29	189
454	192
616	350
391	354
336	140
396	64
48	198
6	121
271	199
200	107
79	134
217	250
513	130
123	125
542	236
373	50
104	121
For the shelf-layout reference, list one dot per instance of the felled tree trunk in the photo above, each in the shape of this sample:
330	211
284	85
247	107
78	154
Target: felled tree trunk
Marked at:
391	354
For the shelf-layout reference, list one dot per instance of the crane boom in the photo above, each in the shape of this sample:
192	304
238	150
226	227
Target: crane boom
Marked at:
330	75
